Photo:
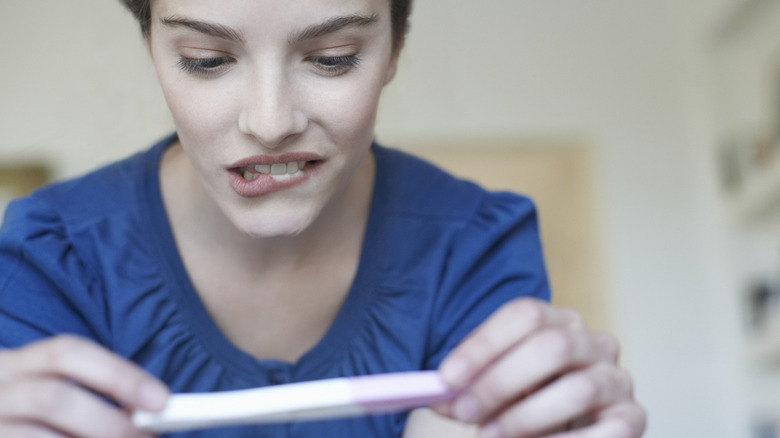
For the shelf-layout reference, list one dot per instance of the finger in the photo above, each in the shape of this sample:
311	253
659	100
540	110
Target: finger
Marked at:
575	320
21	429
540	359
89	364
509	325
63	406
623	420
629	413
566	400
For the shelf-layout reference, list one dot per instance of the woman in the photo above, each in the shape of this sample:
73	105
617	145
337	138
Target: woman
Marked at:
270	241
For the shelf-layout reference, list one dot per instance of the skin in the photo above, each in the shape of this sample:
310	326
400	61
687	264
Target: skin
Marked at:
272	94
530	370
39	399
270	97
533	370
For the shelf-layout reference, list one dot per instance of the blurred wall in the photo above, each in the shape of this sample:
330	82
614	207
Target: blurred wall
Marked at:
630	78
626	76
76	85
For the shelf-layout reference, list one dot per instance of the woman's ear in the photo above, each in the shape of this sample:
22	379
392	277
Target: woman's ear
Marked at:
392	68
148	45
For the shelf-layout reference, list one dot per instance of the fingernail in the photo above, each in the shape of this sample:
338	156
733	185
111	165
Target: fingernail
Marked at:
154	395
455	371
492	430
467	409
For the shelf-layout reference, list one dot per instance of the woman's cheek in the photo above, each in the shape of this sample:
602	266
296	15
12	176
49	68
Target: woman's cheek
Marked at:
353	109
179	102
197	111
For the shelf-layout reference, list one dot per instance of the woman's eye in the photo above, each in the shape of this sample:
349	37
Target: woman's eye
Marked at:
335	65
205	66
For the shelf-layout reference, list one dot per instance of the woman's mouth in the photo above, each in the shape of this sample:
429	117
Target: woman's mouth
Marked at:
252	179
251	173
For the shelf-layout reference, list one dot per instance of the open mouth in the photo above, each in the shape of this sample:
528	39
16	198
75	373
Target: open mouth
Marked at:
276	171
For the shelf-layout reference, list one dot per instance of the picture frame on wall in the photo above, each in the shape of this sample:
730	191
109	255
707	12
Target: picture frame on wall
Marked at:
20	179
774	104
765	148
771	107
747	153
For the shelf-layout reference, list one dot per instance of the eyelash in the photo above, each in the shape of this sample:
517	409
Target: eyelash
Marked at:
204	66
335	65
209	67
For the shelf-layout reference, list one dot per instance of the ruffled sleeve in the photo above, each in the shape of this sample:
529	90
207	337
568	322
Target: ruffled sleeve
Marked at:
495	258
45	287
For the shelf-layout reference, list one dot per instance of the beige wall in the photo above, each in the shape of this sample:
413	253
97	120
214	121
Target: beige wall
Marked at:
559	177
76	86
626	77
622	76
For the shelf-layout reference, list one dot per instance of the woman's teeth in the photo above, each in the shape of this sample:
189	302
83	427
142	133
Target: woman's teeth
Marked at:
253	172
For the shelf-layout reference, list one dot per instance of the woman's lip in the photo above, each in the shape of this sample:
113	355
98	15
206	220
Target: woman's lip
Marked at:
267	183
275	159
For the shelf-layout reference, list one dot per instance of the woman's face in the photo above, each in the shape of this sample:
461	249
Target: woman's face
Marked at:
274	101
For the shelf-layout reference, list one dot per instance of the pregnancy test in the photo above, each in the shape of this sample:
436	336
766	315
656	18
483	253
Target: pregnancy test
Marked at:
314	400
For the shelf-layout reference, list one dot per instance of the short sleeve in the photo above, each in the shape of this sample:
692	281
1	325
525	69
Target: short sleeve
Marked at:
45	287
495	258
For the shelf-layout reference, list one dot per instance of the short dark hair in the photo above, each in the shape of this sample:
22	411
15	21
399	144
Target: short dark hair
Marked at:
399	15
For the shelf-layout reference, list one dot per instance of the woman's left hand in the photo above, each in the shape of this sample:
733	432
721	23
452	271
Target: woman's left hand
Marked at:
533	370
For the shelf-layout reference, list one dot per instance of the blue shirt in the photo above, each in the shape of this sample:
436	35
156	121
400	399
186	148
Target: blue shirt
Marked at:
95	256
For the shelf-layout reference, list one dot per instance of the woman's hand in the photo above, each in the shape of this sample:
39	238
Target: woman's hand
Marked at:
533	370
50	389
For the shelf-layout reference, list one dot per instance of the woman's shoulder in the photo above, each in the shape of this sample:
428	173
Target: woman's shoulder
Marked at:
416	187
62	245
106	190
106	206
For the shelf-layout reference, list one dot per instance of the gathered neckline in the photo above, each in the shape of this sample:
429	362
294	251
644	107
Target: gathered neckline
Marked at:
335	339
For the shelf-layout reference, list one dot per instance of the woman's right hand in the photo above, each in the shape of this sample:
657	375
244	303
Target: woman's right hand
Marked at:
53	388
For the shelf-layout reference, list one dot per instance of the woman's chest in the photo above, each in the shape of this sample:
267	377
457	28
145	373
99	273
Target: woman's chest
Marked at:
279	316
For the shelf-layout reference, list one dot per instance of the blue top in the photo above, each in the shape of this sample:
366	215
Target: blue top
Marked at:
95	256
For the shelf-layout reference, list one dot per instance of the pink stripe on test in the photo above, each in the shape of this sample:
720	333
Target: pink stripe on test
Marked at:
399	391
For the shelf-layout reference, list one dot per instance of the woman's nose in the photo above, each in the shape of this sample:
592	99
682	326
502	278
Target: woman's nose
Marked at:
271	113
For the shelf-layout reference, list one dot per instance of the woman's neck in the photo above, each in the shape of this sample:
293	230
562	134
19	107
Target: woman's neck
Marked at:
272	297
195	217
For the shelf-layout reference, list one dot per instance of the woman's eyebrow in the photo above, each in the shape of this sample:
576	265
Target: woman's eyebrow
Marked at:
331	25
309	32
212	29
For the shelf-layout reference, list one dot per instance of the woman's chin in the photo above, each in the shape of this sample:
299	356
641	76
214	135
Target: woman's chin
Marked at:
271	227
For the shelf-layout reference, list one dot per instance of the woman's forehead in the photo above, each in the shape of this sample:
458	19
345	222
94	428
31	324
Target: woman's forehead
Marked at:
270	20
264	11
